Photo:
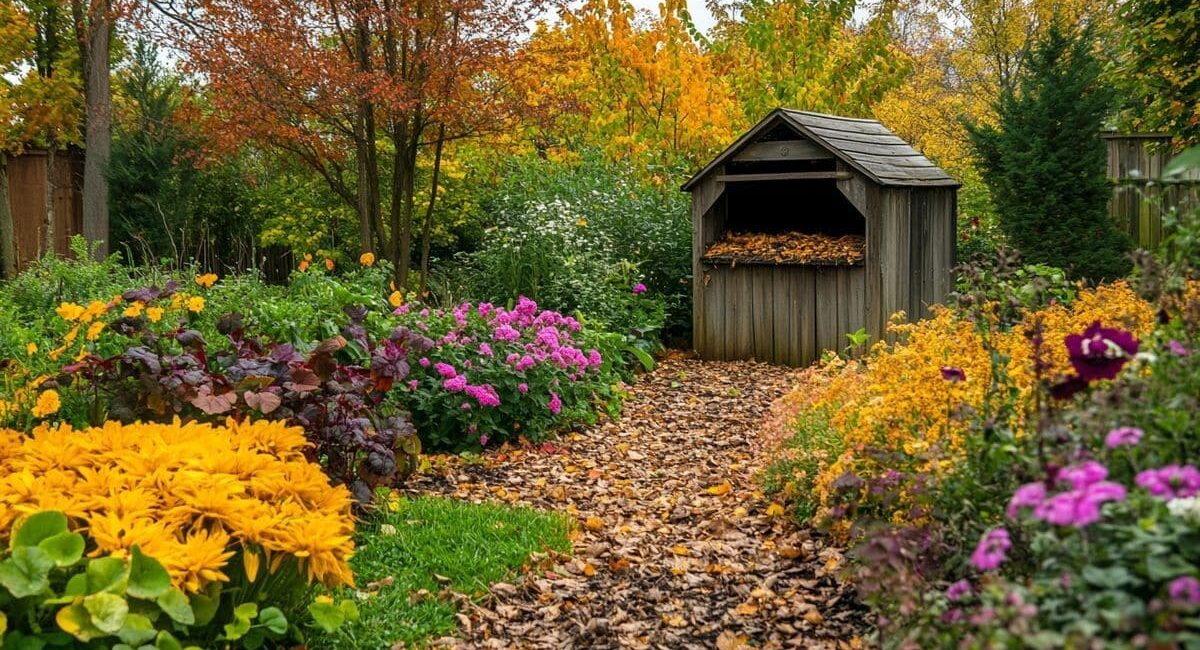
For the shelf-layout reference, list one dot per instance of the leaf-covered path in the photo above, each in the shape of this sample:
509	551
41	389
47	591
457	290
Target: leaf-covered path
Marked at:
675	547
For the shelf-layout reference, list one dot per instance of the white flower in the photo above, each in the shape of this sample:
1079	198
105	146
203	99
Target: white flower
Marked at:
1186	508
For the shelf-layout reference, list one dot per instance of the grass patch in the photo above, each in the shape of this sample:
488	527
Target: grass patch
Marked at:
813	445
472	545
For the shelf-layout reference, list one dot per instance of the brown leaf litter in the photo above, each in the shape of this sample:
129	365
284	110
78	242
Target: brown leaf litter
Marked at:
674	546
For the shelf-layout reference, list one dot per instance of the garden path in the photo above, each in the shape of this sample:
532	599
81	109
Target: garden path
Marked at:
675	546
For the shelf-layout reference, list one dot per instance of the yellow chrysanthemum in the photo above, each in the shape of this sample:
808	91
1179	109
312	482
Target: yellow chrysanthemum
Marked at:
69	311
367	259
94	310
31	348
195	304
155	314
396	299
94	330
48	403
207	280
134	309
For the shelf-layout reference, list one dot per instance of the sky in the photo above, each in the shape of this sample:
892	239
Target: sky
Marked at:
697	8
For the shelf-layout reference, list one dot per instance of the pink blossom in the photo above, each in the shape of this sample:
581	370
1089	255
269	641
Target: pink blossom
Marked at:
594	357
1029	495
992	549
412	384
523	388
485	349
555	403
1081	507
1184	590
483	440
525	363
958	590
1084	474
506	333
1171	481
639	289
424	313
446	370
1123	436
455	384
548	336
484	309
424	362
485	394
401	310
1178	349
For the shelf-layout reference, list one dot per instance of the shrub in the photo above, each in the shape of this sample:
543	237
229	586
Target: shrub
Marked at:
1045	165
238	524
495	374
577	237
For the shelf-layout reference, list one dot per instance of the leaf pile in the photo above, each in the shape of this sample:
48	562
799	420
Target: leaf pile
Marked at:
675	547
788	248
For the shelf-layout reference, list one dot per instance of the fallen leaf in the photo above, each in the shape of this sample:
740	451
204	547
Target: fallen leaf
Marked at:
594	524
775	510
589	570
719	490
746	609
680	549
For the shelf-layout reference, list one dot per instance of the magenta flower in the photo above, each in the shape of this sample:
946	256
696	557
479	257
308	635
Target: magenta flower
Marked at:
483	439
1084	474
594	357
953	374
412	384
401	310
1184	590
548	336
1123	437
485	394
990	553
1080	507
525	363
639	289
455	384
1030	495
485	349
1178	349
424	362
1100	352
958	590
1170	482
523	388
505	333
1067	388
555	403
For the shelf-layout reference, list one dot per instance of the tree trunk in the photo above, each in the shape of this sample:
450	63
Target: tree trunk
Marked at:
427	228
8	240
50	218
98	136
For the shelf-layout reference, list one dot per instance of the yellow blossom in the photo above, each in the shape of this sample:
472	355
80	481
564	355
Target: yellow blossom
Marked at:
396	299
94	330
195	304
155	314
94	310
48	403
367	259
207	280
69	311
134	309
31	348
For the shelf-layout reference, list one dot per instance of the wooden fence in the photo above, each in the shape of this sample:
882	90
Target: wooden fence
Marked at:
1139	200
27	175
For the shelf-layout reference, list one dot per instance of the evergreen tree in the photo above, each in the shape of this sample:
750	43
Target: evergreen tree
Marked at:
1045	163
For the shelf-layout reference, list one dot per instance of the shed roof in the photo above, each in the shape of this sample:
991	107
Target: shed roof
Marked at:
866	145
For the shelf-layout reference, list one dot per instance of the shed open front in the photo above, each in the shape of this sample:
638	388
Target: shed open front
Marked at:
810	227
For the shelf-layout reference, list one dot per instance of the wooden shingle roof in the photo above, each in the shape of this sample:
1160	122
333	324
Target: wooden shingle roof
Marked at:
866	145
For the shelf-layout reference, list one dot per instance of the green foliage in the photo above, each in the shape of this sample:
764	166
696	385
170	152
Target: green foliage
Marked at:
1160	43
403	552
811	444
579	237
1045	164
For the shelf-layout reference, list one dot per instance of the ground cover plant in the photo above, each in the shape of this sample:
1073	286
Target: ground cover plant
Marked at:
421	555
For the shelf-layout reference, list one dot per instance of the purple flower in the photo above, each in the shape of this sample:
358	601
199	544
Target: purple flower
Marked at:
952	616
424	313
1067	388
990	552
548	336
401	310
424	362
446	370
505	333
455	384
1178	349
483	440
525	363
485	394
594	357
953	374
1123	437
639	288
1080	507
523	388
485	349
555	403
412	384
1170	482
1100	352
1184	590
1030	495
1084	474
958	590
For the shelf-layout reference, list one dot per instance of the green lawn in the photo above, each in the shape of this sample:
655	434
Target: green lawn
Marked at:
471	545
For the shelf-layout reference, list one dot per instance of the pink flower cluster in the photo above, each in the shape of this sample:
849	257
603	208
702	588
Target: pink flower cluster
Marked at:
1078	506
1170	482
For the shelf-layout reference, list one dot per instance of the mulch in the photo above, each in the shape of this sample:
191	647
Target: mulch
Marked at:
675	545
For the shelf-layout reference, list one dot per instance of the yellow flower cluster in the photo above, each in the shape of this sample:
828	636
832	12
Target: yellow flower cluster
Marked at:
193	496
899	401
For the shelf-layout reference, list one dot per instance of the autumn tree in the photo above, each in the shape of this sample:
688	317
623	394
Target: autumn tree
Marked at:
1160	65
359	91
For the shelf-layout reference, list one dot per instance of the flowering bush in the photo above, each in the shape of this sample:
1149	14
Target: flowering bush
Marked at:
492	373
234	517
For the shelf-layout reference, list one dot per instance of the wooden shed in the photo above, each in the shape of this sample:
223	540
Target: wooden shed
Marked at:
27	177
810	227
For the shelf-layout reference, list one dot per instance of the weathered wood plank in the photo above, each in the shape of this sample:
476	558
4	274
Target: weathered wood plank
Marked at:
715	312
782	313
825	299
853	188
779	150
742	284
781	176
806	323
763	321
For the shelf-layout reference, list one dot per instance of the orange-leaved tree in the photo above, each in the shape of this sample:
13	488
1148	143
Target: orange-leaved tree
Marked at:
358	90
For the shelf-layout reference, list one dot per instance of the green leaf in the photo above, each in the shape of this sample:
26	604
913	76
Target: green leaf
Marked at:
243	615
204	605
107	574
327	616
176	604
349	609
1165	567
39	526
274	620
643	356
108	611
64	548
18	641
166	641
26	572
137	630
1189	159
254	640
75	620
147	577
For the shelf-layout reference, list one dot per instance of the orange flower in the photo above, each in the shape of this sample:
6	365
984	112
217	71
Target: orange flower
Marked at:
207	280
303	265
367	259
328	263
48	403
396	299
